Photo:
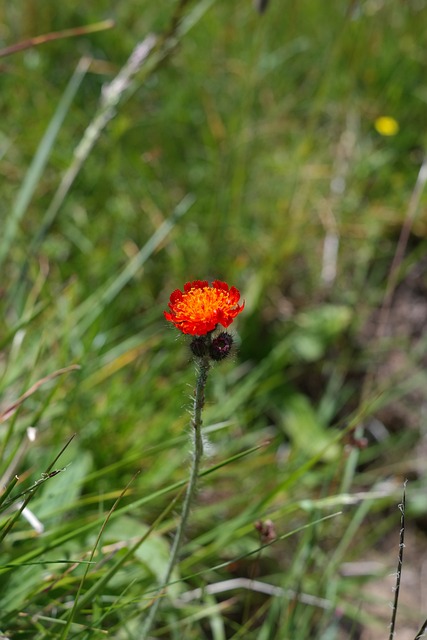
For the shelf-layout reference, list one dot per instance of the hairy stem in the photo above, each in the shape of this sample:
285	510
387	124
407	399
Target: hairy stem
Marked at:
203	366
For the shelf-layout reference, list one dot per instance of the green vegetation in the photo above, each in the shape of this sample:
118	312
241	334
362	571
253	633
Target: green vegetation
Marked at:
243	148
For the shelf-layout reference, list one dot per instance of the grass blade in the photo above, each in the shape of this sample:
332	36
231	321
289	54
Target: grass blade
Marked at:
38	164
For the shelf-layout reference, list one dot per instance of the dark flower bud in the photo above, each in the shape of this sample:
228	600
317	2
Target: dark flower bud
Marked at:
220	346
199	347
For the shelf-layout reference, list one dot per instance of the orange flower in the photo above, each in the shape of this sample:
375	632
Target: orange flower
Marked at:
200	308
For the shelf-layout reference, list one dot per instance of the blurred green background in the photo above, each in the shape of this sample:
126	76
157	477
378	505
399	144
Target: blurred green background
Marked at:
250	151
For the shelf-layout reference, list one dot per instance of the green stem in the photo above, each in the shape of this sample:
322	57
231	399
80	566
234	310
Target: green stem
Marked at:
203	366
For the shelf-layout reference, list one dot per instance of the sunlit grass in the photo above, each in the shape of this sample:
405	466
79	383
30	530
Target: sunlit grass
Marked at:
247	151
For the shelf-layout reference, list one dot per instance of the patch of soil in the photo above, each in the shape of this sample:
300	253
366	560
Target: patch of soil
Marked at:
396	335
397	338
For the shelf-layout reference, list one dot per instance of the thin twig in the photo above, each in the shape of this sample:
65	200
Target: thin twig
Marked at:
252	585
399	562
56	35
421	632
6	413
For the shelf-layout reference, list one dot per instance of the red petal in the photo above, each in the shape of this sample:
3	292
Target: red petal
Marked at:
196	284
219	284
234	295
175	295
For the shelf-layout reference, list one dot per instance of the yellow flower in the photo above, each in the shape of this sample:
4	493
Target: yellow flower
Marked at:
386	126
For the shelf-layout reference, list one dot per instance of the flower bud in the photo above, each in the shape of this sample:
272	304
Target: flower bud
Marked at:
220	346
199	346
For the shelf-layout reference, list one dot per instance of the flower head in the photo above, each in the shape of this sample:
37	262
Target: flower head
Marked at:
200	308
386	126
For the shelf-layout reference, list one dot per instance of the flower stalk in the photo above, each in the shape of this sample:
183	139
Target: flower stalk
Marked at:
197	311
203	366
197	455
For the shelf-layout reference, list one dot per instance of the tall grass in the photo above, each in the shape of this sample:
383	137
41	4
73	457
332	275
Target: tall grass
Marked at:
240	147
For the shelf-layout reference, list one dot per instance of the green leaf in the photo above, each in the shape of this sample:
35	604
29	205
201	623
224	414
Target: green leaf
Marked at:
305	429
